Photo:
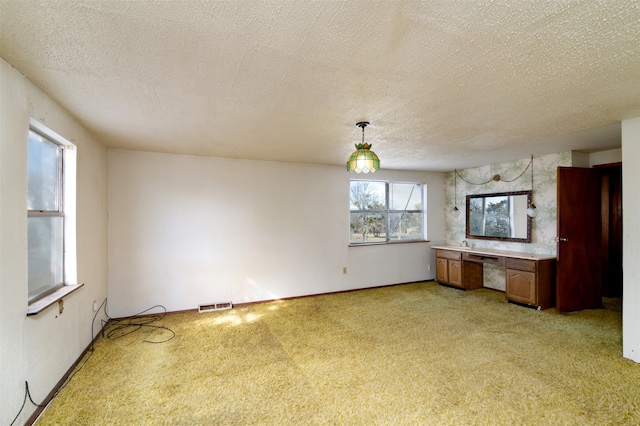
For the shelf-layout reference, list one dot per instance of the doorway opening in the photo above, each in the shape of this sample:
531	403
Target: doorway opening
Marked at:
611	235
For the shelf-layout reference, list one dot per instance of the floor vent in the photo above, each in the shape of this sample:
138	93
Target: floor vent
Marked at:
220	306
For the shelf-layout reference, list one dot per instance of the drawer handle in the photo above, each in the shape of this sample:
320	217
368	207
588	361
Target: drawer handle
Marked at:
475	256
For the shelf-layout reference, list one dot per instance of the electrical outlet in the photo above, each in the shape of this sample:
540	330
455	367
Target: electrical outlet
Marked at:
344	269
428	267
95	306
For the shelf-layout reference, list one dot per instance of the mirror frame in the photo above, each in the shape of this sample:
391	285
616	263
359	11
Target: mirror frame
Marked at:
497	194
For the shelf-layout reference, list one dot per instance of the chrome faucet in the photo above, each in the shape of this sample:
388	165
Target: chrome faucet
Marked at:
464	243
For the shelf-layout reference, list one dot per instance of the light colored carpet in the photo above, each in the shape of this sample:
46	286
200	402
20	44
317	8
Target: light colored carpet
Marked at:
409	354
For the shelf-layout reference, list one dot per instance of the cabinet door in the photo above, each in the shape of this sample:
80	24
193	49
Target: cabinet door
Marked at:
442	270
521	286
455	272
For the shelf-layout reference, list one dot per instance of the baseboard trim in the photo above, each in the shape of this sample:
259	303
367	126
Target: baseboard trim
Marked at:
40	409
245	304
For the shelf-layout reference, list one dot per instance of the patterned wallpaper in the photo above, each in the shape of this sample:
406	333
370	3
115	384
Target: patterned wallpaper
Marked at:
543	226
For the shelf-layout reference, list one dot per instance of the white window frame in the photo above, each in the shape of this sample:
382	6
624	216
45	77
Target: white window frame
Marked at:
68	212
387	212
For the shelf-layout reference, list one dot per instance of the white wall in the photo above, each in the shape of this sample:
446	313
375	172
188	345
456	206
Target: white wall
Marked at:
583	159
40	349
630	239
187	230
580	159
605	157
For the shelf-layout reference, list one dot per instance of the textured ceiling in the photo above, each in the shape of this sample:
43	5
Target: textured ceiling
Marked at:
445	84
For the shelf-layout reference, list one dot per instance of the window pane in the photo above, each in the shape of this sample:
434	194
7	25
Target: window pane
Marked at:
45	254
368	227
367	195
406	226
43	174
405	196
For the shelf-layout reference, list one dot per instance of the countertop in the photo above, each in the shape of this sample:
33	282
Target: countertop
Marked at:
495	252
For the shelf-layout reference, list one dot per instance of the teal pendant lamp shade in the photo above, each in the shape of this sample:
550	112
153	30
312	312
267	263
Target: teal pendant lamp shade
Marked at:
363	160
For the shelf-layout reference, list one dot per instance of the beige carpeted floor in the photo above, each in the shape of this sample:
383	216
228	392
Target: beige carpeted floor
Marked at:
408	355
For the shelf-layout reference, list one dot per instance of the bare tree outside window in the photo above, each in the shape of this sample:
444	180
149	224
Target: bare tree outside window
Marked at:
383	212
368	211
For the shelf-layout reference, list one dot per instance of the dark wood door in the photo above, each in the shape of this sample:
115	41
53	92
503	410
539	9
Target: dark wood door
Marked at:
578	273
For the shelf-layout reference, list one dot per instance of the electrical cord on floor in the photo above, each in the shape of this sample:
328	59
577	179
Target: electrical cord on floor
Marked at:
24	401
104	303
115	328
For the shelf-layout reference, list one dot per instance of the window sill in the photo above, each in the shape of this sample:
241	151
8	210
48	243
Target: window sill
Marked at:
384	243
48	300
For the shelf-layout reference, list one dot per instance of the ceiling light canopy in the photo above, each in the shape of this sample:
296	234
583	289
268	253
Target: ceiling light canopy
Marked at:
363	160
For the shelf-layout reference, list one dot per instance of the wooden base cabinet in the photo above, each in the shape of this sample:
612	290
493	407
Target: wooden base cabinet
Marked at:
530	278
442	270
521	286
449	268
531	282
455	273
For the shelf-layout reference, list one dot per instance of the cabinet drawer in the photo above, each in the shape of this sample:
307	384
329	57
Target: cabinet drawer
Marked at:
521	264
448	254
483	258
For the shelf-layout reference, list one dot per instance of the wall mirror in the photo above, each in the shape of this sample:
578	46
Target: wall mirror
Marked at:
499	216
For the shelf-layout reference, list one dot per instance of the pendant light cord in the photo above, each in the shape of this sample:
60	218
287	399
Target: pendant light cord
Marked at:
455	189
362	125
532	174
498	178
531	205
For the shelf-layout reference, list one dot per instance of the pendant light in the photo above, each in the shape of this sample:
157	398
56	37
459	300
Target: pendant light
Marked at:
363	160
532	210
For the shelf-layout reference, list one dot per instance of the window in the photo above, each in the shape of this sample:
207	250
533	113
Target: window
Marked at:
50	215
384	212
